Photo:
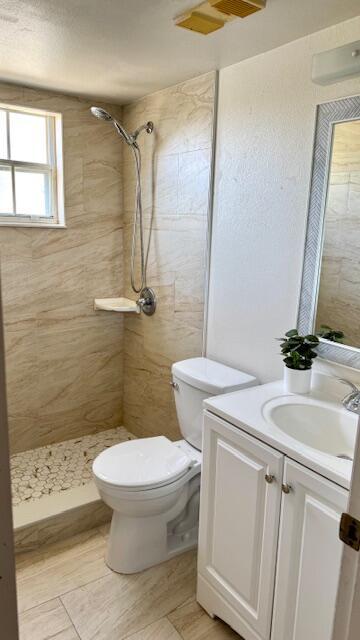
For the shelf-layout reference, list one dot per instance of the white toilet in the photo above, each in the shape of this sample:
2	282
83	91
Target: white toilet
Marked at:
153	484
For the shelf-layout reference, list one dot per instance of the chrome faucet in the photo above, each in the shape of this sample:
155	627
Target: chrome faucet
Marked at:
147	301
351	401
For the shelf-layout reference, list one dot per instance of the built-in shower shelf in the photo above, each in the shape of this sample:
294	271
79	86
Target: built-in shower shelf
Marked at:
120	305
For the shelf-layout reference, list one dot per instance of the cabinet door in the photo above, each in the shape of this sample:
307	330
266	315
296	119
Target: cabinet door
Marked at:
239	521
309	556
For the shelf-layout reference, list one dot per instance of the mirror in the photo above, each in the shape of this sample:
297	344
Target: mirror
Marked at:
330	291
338	304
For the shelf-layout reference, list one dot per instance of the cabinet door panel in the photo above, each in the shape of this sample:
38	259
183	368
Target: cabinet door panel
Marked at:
239	503
309	556
239	521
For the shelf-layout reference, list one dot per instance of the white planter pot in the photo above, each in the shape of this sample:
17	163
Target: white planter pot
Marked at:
297	381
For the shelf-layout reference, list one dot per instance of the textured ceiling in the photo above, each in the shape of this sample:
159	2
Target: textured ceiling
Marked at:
123	49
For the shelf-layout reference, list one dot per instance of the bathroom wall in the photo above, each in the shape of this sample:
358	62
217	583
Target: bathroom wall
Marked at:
267	110
176	176
339	291
63	360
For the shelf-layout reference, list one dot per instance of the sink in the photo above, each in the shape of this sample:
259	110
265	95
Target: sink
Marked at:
326	428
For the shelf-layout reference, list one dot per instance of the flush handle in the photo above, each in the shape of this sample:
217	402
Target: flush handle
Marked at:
286	488
174	385
269	478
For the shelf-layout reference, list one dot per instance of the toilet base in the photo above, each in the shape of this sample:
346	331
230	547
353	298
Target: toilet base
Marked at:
137	543
158	548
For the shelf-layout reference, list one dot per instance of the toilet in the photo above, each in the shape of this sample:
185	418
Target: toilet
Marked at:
153	484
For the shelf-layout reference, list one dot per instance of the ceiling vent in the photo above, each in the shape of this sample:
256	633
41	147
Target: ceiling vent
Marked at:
200	22
238	8
211	15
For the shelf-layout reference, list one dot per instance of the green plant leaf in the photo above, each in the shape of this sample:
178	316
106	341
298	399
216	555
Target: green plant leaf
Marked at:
291	333
312	354
289	363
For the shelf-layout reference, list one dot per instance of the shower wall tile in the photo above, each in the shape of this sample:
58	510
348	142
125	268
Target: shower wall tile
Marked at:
176	178
194	180
166	190
21	374
73	179
183	116
65	361
177	183
102	184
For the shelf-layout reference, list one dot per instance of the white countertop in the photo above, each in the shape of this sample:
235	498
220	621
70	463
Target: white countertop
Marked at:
245	409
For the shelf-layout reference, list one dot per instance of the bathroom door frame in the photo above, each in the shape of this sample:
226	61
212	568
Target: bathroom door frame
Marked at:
8	606
347	615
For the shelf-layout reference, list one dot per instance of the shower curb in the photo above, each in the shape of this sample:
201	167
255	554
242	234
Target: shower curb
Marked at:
58	517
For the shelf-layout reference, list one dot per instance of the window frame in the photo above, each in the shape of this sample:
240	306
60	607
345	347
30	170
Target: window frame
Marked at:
53	168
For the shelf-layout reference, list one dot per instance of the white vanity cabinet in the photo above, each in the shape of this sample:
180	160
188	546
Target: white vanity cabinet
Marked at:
269	561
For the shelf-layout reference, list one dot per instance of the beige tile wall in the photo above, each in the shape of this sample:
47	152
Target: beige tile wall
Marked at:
64	361
339	299
176	175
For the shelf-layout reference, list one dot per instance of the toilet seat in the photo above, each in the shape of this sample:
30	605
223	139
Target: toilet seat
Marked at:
143	464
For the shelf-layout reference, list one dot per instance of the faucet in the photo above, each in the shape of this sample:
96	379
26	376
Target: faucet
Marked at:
351	401
147	301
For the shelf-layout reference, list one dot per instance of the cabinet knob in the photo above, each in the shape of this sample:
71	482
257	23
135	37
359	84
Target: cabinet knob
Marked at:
286	488
269	478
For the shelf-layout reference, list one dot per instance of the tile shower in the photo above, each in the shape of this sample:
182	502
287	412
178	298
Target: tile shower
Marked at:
75	376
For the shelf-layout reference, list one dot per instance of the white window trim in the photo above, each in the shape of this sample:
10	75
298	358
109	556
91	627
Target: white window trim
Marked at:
56	168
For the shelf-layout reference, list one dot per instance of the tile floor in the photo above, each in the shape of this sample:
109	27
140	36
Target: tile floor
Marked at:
66	592
54	468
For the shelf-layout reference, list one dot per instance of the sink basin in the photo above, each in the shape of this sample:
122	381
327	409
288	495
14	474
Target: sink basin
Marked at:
328	429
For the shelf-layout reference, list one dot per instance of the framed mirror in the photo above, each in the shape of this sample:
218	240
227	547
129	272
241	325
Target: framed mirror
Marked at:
330	289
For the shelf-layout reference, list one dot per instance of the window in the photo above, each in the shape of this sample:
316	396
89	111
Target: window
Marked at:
31	172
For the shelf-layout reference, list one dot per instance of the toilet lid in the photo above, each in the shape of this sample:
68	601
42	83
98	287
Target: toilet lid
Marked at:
142	464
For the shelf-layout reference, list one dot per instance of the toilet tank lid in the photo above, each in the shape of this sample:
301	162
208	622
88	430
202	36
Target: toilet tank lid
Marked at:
212	377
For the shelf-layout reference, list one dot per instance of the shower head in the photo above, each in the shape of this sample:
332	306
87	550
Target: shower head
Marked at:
130	138
101	114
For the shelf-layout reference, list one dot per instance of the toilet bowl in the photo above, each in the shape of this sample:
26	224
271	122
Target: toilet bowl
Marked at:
153	484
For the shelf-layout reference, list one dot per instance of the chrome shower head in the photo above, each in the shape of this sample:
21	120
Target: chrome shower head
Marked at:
130	138
101	114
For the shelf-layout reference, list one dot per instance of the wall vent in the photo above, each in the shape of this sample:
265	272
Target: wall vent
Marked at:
238	8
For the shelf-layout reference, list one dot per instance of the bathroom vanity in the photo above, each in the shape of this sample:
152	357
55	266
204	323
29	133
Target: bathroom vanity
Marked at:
273	490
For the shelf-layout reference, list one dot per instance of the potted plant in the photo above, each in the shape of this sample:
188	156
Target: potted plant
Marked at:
299	352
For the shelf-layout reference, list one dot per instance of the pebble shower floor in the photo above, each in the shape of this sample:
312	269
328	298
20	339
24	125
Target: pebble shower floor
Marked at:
61	466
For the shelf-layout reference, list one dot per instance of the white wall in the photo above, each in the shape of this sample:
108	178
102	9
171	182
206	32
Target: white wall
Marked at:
265	137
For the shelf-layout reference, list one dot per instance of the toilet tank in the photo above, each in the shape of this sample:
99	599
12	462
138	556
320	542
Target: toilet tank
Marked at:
196	379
